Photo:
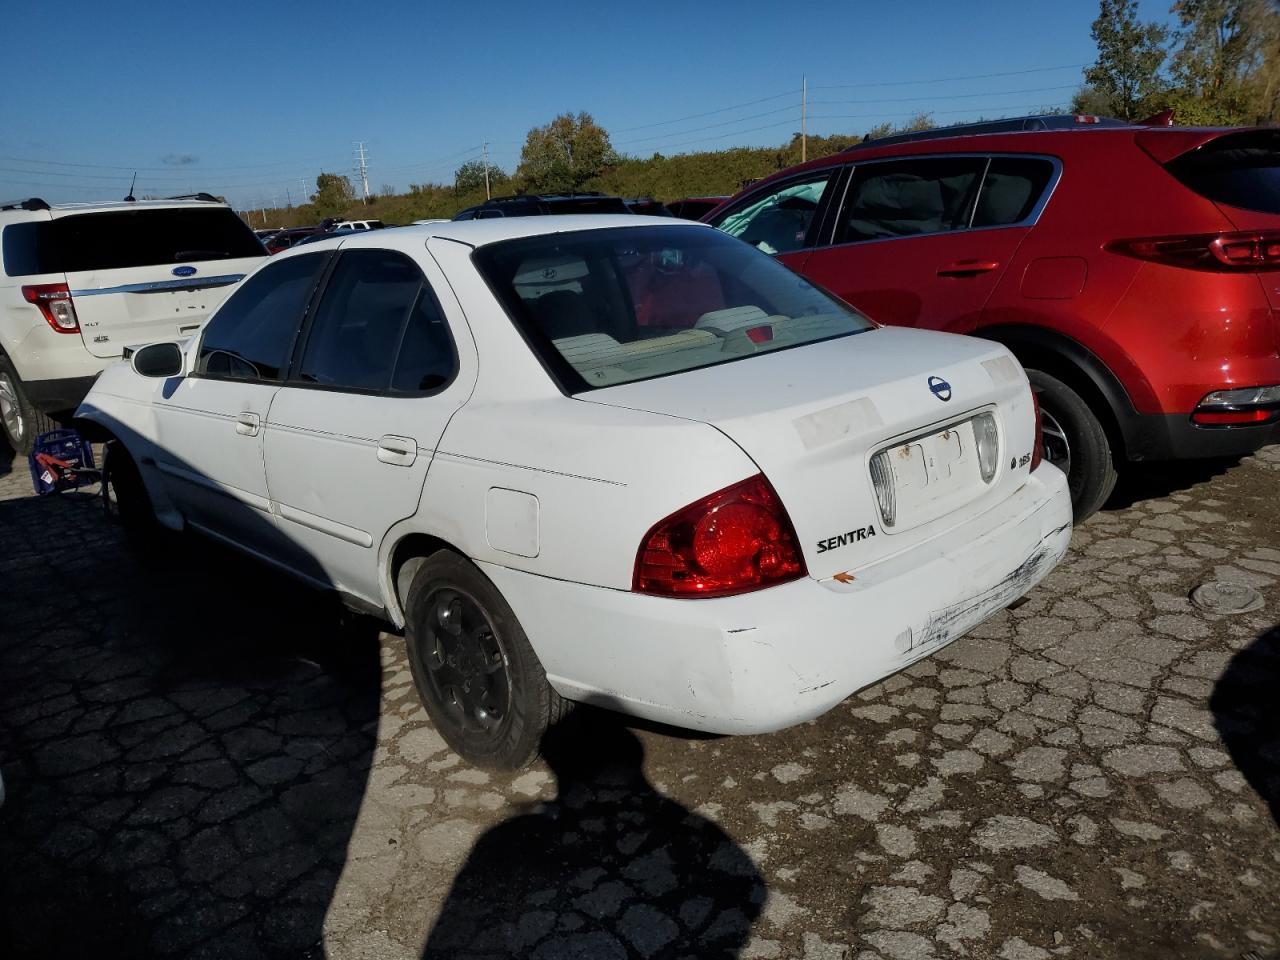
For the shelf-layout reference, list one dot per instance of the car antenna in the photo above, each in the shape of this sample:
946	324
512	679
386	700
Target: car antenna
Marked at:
131	198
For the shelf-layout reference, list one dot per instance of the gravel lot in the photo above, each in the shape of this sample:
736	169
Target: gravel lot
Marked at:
202	759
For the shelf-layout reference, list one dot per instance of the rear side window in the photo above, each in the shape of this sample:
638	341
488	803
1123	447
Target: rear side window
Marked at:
1239	169
377	307
906	198
1011	189
128	238
251	336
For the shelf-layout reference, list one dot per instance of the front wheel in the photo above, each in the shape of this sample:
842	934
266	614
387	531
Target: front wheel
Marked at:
1076	443
475	671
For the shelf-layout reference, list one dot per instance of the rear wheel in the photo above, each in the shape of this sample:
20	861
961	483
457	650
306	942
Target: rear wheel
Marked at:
476	673
1076	443
21	421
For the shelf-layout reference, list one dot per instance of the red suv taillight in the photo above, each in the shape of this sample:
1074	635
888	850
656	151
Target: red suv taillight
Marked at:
1037	442
54	301
1247	250
1235	408
737	539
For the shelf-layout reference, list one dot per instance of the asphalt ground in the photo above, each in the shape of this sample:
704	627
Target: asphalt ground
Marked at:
203	759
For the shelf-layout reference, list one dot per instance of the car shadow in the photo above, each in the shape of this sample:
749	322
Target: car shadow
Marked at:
611	868
185	745
1246	713
1143	481
7	457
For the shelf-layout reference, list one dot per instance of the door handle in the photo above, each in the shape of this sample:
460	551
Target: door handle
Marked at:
968	268
248	424
397	451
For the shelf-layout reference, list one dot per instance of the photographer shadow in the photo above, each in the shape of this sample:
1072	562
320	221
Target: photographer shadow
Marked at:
1246	712
611	868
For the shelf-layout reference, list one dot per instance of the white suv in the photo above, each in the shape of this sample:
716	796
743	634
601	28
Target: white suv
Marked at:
81	281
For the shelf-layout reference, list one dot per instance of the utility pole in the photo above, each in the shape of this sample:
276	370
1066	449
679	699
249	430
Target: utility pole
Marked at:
363	162
487	194
288	198
306	194
804	119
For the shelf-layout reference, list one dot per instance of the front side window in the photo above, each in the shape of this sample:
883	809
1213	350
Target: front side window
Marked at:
904	198
360	320
251	335
779	220
603	307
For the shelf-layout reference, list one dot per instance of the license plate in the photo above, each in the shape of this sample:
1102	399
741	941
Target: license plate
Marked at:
938	460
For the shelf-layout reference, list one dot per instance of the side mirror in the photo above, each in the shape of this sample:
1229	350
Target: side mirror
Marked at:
158	360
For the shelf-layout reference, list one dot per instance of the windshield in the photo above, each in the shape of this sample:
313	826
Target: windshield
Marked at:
603	307
1240	170
127	238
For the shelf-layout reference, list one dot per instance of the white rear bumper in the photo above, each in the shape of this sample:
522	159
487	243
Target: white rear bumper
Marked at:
783	655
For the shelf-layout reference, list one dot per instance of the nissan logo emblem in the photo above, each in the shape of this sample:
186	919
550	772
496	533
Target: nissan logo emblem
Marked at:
940	388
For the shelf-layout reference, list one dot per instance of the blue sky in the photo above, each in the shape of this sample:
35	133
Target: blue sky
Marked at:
252	100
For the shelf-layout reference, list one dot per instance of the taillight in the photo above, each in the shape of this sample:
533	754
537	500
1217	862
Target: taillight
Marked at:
1247	250
1240	407
1037	440
54	301
737	539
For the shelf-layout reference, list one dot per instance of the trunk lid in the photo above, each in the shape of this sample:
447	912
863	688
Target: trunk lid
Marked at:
813	417
149	273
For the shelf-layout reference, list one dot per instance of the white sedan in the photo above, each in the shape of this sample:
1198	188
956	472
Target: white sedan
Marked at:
628	461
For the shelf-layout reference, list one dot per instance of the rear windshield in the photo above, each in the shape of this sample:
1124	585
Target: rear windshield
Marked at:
126	238
603	307
1240	170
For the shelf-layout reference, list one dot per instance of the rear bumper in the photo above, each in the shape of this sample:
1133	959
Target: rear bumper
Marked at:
1175	437
780	656
58	396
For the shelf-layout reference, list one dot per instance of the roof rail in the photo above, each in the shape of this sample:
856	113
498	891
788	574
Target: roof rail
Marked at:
31	203
206	197
1048	121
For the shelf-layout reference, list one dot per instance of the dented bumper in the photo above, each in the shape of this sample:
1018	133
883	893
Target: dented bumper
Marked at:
786	654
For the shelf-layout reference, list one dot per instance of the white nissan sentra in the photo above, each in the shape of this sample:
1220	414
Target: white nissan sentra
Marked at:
619	460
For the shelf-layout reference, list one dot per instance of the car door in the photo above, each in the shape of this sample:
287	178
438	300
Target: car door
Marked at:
349	439
209	424
784	218
923	242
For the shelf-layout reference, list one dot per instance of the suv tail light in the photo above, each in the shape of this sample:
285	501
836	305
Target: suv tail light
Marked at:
1227	408
1037	440
736	540
54	301
1245	250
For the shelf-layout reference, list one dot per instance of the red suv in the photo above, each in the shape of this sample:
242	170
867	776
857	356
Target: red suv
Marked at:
1134	270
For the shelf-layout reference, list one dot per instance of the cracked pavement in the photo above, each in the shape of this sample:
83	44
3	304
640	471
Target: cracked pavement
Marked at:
205	760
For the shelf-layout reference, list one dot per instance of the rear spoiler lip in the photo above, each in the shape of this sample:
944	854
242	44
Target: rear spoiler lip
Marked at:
162	286
1165	144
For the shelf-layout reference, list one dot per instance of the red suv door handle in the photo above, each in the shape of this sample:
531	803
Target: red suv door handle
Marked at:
968	268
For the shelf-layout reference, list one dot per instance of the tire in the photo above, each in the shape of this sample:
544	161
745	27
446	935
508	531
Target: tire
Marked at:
1075	442
126	499
19	419
477	675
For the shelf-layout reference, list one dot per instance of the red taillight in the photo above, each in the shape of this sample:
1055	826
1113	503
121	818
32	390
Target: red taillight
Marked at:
1248	250
1037	442
735	540
54	301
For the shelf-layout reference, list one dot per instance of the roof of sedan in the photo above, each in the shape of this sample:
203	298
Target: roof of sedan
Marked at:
477	233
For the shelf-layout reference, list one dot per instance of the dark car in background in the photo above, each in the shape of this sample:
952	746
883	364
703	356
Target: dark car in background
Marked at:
536	205
1133	269
694	208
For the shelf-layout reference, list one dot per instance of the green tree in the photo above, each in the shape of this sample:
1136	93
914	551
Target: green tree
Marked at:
565	154
1226	64
333	194
470	176
1126	81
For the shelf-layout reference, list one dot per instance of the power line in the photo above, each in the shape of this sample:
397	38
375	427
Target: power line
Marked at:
695	116
973	76
711	126
956	96
168	167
